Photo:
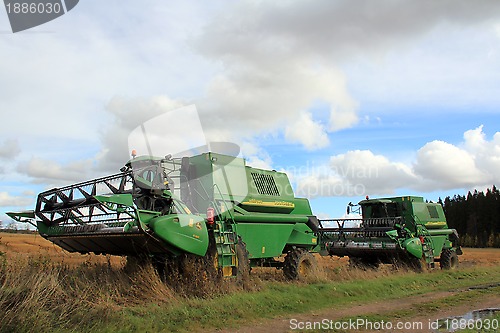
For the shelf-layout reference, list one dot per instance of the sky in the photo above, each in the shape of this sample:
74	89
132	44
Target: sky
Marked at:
349	97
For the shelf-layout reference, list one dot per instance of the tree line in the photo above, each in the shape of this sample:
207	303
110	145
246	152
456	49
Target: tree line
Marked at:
476	217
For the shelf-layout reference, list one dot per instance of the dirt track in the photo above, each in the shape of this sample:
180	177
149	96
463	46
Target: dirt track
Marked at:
285	324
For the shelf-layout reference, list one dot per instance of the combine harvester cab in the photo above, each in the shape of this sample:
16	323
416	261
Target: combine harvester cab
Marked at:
209	206
394	230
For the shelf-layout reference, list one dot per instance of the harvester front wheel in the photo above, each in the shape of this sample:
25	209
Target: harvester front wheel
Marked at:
419	265
449	259
299	263
243	272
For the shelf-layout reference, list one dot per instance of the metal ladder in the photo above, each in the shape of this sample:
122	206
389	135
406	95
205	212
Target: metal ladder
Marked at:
226	238
427	246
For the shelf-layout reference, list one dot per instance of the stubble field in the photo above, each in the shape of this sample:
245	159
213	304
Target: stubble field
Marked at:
46	289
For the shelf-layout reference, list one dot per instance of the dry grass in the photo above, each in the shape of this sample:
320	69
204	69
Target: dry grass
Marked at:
25	245
332	269
40	284
60	291
36	291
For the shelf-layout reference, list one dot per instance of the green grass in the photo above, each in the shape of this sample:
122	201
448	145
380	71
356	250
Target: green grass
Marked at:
44	297
284	298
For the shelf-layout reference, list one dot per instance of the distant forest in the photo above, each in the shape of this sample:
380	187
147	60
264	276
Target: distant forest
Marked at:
476	217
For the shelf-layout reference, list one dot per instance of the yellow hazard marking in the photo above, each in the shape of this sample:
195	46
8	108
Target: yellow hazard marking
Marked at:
196	236
254	202
191	223
437	224
263	249
227	271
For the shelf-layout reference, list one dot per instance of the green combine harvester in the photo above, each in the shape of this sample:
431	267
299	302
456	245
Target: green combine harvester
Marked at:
398	230
214	207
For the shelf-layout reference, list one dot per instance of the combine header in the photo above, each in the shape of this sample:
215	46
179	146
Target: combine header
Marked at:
213	206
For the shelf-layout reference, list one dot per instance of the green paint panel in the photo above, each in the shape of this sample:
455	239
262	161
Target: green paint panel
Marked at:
302	235
413	246
185	232
264	240
302	207
19	216
438	243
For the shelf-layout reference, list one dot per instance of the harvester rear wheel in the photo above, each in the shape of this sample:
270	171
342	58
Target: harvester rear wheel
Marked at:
449	259
299	263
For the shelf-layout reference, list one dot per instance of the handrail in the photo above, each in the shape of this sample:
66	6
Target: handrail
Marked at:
224	201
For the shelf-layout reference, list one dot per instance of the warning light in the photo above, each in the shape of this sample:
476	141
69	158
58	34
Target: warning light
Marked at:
210	215
134	153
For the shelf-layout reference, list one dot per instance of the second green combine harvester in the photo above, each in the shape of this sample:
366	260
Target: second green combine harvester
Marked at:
213	206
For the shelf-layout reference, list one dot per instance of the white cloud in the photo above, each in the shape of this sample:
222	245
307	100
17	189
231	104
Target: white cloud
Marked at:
474	163
126	114
278	59
374	172
92	54
355	173
9	149
486	153
253	98
7	200
438	165
307	132
265	83
447	166
255	156
319	184
55	173
256	68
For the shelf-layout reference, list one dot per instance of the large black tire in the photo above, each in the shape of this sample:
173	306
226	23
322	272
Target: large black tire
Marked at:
449	259
203	268
418	265
243	270
299	264
167	267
